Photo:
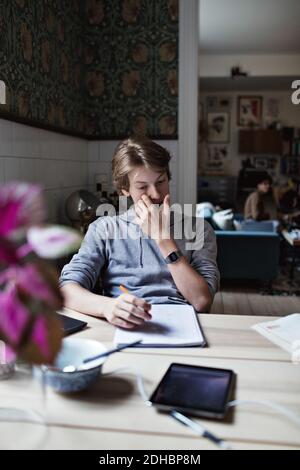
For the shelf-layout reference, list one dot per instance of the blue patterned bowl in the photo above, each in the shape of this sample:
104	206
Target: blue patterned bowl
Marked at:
73	352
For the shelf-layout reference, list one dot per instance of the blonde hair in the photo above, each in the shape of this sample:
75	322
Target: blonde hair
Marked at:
137	151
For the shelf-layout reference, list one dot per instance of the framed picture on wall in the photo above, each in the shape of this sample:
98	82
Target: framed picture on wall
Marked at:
218	123
249	112
215	159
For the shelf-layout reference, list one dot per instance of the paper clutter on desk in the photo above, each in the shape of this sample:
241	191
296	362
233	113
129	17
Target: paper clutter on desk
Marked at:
284	332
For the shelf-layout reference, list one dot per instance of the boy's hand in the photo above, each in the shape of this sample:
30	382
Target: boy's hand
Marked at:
128	311
153	220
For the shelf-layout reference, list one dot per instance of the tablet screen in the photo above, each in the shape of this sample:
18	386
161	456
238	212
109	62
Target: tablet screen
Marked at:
199	388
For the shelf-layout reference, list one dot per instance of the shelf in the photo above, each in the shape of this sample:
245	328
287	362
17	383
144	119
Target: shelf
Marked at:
260	141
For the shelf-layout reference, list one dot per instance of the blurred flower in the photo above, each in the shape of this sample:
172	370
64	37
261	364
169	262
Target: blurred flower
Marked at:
21	206
14	316
54	241
29	281
29	292
8	253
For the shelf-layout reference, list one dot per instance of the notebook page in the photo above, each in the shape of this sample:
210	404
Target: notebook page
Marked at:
171	325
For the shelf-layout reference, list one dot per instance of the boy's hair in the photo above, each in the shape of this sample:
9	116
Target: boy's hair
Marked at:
137	151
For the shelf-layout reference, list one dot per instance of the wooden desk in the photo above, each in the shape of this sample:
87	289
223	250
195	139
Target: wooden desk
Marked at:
112	415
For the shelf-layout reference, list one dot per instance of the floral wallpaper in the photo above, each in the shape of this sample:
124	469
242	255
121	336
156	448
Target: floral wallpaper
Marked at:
40	61
100	68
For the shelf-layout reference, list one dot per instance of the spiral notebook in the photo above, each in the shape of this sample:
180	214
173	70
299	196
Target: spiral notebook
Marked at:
172	325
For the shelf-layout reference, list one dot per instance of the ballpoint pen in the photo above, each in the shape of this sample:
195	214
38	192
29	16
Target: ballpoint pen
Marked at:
199	429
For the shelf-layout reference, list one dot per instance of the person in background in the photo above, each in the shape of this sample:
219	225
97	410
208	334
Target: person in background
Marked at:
261	204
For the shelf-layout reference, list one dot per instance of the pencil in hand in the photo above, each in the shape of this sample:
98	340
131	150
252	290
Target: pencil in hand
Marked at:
123	289
147	310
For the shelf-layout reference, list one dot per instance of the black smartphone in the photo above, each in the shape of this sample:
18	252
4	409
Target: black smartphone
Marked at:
195	390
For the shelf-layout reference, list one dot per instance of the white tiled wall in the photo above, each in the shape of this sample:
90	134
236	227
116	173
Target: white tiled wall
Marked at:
100	155
58	162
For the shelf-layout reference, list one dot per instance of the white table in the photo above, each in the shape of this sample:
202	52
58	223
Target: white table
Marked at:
112	415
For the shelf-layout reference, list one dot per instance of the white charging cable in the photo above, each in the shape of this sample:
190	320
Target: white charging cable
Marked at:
269	404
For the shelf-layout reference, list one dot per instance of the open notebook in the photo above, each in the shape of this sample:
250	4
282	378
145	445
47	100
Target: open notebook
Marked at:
172	325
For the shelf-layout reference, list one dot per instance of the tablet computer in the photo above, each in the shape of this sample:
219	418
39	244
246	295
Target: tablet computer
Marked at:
195	390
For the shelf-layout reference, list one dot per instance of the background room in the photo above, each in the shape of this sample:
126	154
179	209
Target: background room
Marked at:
248	125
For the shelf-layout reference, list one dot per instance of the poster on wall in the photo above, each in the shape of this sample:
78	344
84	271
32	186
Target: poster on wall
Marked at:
218	103
272	110
249	112
218	127
216	159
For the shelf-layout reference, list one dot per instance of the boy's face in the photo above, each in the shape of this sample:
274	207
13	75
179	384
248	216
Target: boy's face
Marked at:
153	183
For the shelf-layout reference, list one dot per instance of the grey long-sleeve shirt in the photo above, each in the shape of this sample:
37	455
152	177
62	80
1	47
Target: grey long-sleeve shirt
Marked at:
116	250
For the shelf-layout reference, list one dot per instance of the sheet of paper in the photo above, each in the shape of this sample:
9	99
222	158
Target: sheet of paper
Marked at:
171	325
284	332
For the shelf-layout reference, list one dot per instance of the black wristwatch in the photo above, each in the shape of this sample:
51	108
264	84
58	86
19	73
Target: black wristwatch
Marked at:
173	257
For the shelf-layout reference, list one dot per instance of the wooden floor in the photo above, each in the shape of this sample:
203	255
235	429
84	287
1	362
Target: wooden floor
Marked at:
241	301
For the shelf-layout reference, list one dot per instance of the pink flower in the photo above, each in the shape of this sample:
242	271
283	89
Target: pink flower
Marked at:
29	280
21	205
40	336
8	253
13	317
53	241
29	291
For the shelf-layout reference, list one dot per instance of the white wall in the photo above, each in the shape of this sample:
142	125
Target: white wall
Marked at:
58	162
257	65
289	116
100	154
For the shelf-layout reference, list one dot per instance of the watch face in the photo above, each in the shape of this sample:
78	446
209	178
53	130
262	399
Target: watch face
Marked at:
173	257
